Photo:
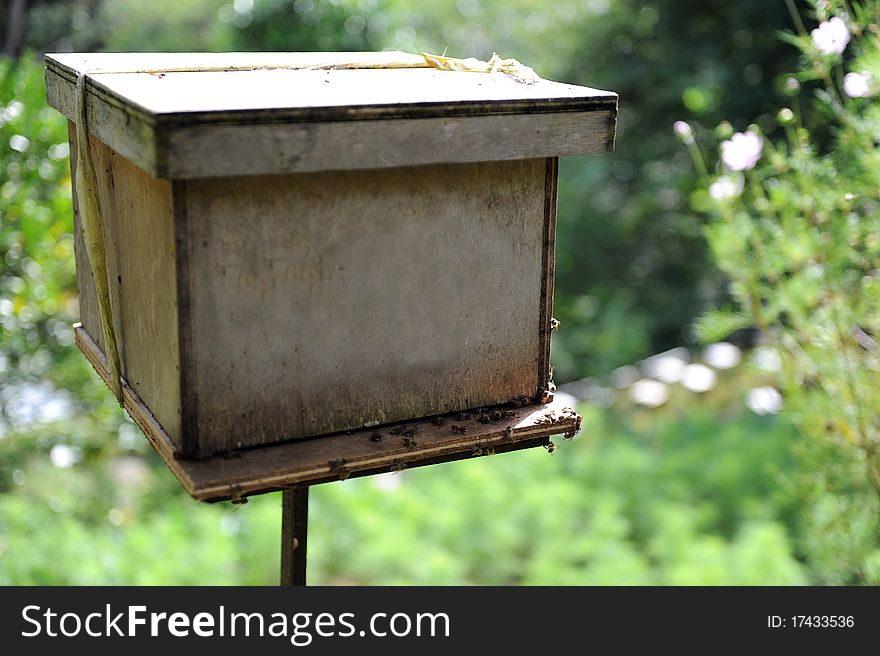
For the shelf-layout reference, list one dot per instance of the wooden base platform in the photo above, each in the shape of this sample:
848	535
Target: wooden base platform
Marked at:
339	456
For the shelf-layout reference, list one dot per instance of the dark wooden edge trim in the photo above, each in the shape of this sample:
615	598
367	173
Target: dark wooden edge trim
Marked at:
332	114
548	268
382	464
612	128
453	456
189	437
341	455
133	405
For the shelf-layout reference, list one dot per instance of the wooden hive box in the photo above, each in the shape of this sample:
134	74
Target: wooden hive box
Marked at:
304	251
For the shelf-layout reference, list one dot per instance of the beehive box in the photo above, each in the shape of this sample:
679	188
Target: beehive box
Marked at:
321	243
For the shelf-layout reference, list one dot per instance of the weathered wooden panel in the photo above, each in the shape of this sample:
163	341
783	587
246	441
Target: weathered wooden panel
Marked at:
321	302
225	150
139	229
111	122
344	455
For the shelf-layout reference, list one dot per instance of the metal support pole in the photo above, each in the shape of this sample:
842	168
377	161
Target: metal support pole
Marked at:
294	532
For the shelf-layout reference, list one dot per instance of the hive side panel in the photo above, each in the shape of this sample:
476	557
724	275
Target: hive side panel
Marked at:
138	218
324	301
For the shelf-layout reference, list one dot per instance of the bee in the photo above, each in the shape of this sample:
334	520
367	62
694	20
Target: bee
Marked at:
508	432
484	418
397	430
409	431
438	421
237	498
554	324
409	442
551	447
459	429
376	437
338	466
520	401
464	416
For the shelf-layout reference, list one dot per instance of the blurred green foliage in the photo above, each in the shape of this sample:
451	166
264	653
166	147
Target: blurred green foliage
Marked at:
675	499
697	492
796	227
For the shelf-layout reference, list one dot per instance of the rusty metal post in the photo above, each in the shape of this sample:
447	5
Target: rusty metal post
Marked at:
294	533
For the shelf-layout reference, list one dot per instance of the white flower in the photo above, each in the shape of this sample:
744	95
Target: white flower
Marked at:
742	151
855	85
831	36
726	187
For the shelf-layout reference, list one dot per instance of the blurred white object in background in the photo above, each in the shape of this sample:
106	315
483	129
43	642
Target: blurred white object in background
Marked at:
649	393
764	400
698	378
722	355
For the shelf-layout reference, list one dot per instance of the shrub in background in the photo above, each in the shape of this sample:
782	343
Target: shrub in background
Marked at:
794	221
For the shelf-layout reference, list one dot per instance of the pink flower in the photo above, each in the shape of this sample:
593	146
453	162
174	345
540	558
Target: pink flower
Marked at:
855	85
742	151
831	36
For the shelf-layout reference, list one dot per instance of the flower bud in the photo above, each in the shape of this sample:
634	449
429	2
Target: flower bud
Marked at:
785	116
724	130
682	129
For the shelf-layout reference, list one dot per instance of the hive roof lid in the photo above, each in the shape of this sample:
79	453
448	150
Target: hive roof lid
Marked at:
163	94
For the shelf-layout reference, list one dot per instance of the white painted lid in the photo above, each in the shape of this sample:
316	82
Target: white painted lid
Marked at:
173	120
